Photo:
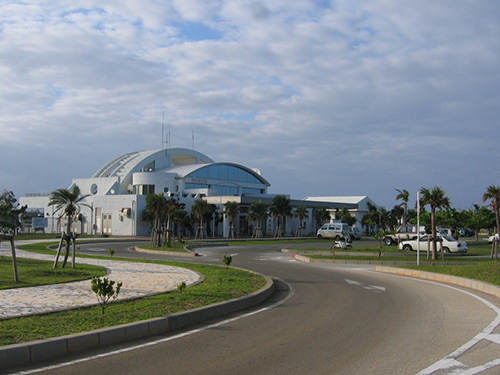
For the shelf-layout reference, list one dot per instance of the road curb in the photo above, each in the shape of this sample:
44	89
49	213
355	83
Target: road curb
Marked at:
307	259
42	350
165	252
450	279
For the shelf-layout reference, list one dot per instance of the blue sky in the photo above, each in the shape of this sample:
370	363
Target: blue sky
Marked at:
325	98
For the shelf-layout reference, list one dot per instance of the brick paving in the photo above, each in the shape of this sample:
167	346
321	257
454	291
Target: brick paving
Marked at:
139	279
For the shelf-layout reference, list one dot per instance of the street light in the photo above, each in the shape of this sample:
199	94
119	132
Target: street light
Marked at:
418	228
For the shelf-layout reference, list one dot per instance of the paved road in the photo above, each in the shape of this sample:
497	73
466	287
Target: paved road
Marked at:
337	320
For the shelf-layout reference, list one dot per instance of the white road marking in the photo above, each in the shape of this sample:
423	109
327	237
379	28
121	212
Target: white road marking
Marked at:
160	341
450	360
373	288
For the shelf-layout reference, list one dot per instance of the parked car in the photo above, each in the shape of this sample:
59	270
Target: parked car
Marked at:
464	232
355	233
334	230
491	238
450	245
448	231
404	232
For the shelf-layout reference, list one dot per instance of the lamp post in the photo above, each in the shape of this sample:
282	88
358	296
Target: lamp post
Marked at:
418	228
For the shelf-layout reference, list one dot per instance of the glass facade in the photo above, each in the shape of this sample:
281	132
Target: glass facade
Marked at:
226	173
206	177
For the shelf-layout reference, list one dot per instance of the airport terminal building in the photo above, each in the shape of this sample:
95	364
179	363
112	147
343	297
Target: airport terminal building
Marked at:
117	194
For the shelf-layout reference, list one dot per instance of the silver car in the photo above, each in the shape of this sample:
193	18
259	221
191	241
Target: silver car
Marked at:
355	233
449	244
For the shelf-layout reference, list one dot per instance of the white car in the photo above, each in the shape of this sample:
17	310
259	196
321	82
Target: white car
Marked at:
334	230
495	237
450	245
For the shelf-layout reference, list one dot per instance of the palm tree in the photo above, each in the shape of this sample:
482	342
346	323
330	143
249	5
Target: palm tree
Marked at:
321	215
257	214
301	213
180	217
199	209
371	219
493	193
437	199
155	211
231	209
279	209
403	195
171	206
68	203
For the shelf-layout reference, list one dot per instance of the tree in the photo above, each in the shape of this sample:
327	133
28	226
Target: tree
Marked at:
453	219
321	215
171	207
9	212
346	217
301	213
68	203
257	214
9	222
396	217
480	217
160	212
199	209
231	209
493	193
154	212
280	208
371	219
181	219
104	290
403	195
436	199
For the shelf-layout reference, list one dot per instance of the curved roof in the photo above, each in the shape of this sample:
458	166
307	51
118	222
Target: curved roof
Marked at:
186	170
126	164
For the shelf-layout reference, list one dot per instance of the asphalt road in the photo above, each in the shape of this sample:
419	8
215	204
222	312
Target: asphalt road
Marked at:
334	320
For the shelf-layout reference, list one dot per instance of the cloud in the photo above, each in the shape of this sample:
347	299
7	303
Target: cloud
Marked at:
348	98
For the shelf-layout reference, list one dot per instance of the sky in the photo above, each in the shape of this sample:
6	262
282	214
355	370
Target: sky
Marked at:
326	98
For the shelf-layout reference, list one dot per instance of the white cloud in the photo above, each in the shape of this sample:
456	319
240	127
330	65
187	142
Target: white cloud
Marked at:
358	98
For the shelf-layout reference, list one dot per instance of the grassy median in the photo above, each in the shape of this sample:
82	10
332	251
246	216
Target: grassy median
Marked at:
220	284
34	272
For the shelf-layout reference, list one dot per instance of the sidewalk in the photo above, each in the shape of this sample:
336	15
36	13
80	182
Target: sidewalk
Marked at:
139	279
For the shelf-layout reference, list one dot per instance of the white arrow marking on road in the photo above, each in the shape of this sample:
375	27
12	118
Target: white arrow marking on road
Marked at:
352	282
373	288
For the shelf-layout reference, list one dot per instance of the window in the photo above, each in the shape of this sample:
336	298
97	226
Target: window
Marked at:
149	167
145	189
225	173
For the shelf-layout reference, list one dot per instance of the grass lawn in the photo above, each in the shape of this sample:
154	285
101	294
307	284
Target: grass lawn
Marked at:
480	267
37	272
220	284
176	247
487	271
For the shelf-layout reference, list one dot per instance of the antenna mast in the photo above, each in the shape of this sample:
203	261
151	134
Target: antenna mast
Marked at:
192	139
162	129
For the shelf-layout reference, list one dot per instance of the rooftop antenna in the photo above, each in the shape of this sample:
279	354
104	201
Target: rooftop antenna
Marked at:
192	139
162	129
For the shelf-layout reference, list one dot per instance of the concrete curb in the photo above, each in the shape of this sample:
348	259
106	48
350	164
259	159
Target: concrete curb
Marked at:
43	350
307	259
172	253
450	279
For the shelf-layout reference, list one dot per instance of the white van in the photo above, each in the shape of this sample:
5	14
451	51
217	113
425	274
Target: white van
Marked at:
334	230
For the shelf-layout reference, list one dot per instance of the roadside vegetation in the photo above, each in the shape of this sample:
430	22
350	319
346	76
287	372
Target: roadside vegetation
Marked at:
220	284
34	272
